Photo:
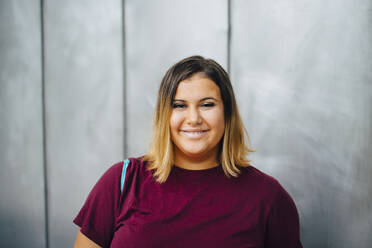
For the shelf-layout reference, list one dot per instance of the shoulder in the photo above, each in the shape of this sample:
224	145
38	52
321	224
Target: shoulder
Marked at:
133	164
137	164
257	176
111	176
111	181
265	185
136	169
114	169
270	194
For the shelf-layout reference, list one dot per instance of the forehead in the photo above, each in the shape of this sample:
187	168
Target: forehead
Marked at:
197	86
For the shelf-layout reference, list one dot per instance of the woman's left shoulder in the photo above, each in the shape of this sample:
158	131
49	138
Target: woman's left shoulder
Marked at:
281	216
256	174
262	181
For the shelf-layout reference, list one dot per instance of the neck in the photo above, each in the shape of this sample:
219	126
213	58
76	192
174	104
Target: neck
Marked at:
195	162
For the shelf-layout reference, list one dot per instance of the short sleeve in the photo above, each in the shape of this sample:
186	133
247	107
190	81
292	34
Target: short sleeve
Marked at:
283	228
97	216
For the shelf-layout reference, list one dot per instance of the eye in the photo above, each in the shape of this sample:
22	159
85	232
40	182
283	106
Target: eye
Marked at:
208	104
179	105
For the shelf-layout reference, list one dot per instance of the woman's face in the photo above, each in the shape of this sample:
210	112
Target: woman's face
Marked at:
197	121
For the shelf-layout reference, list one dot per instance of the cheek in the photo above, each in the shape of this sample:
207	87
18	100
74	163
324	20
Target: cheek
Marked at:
174	122
216	120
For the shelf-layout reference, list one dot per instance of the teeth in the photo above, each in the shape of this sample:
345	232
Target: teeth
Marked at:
194	134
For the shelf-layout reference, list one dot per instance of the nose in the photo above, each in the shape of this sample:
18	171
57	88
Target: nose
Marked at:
193	116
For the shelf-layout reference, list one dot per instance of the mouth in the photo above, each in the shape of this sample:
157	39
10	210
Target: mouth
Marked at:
194	134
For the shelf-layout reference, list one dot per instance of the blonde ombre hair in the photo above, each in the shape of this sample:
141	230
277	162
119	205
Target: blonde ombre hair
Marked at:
233	145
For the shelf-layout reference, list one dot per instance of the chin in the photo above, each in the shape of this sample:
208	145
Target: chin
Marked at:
195	153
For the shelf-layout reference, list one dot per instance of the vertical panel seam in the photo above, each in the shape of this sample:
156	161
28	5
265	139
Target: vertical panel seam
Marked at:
229	36
124	66
45	169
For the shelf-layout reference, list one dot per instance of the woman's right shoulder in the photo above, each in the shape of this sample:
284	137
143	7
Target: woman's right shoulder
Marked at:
136	163
132	167
131	163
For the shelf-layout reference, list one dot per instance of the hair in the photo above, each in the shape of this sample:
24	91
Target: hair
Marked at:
233	145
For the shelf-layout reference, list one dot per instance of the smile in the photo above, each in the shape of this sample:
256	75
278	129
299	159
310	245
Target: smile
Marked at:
194	134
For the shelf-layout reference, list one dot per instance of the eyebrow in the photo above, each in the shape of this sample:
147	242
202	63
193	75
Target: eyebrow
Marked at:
203	99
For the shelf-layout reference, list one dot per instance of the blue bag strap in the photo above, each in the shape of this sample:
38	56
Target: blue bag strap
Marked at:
126	162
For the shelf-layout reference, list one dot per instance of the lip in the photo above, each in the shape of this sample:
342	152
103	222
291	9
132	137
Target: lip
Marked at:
194	134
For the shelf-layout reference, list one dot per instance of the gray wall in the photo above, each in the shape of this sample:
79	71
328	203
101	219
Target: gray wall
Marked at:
78	87
22	212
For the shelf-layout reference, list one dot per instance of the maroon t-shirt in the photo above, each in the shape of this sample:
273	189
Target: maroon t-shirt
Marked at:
193	208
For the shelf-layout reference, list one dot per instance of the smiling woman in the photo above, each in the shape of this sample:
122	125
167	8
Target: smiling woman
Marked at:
195	187
197	80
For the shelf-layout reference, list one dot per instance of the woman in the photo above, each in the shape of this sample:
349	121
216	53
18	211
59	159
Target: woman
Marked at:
195	187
